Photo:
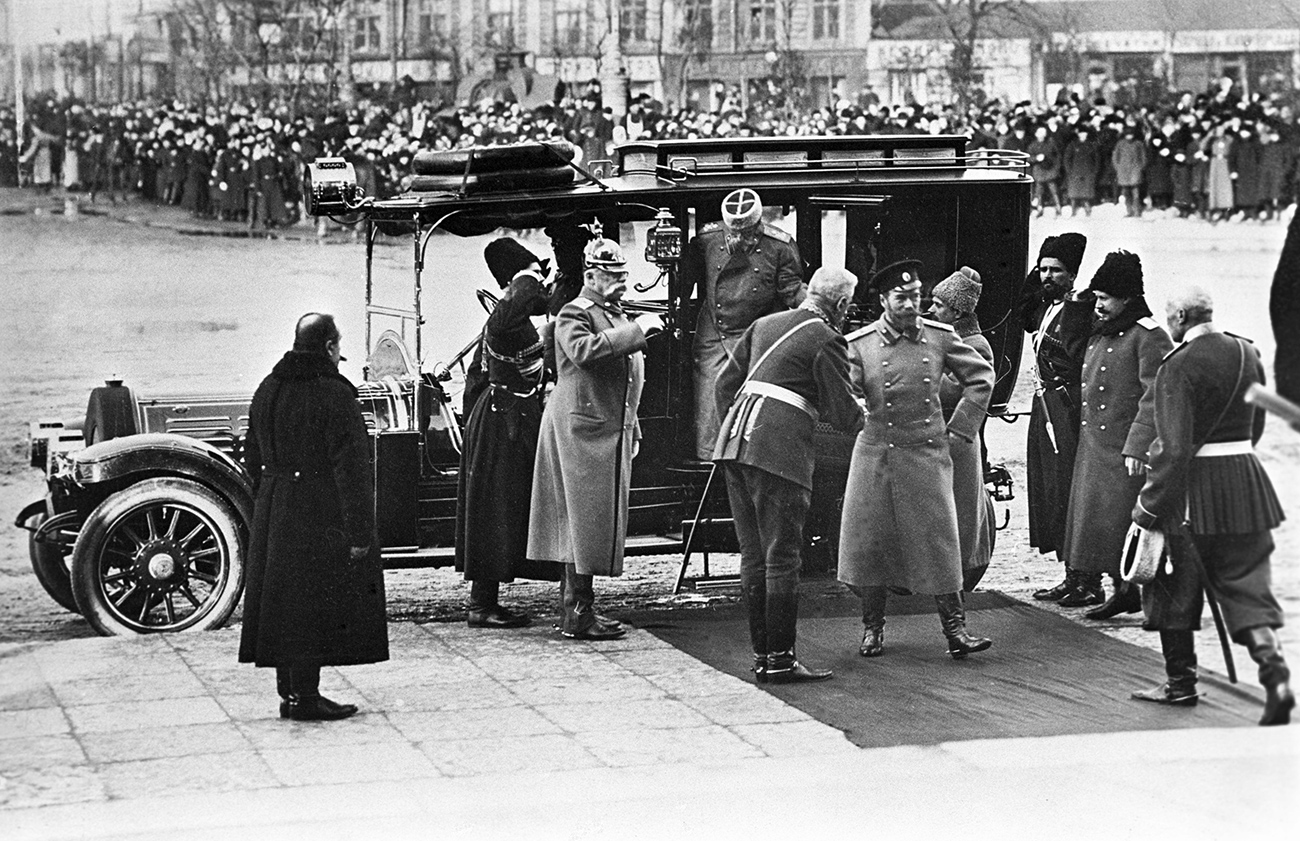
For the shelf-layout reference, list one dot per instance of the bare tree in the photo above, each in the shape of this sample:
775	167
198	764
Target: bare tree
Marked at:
694	41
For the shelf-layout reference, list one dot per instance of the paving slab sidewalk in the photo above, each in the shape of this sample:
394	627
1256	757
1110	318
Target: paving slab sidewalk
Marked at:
465	732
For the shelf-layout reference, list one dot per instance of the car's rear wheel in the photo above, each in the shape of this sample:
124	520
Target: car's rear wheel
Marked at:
50	561
161	555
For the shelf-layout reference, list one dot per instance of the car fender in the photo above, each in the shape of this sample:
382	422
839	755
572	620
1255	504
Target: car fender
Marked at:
133	457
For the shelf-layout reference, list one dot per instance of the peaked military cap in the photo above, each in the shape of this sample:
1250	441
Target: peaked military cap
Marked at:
896	274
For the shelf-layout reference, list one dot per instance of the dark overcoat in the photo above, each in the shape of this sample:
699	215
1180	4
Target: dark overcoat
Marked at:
1117	404
1082	160
1159	161
1243	160
1284	314
1130	161
900	521
583	471
305	600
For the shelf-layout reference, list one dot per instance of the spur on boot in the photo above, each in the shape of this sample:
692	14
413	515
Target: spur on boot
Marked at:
1087	591
1169	694
314	708
1060	591
784	667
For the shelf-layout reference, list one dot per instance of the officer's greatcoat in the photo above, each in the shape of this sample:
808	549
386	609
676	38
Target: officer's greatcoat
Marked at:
1117	404
900	521
584	449
734	290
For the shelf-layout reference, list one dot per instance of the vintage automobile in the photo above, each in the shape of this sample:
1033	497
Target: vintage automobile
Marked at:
145	522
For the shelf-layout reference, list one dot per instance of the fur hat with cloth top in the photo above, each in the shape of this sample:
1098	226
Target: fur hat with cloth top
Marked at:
742	209
960	290
1120	276
1068	248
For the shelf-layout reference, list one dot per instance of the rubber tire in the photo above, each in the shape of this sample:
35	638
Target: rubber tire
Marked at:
494	182
50	568
110	413
511	156
85	553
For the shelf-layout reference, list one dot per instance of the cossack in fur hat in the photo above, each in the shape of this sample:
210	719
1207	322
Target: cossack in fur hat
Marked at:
1120	276
960	290
1068	248
505	257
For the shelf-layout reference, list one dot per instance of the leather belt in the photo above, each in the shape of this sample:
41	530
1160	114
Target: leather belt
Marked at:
782	394
1225	448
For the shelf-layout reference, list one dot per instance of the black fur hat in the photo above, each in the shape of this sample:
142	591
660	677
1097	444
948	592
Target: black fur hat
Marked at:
1119	276
505	257
1068	248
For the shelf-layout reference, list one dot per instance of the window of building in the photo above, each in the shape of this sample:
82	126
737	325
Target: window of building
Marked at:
762	20
570	25
366	28
632	17
826	19
697	24
432	22
500	24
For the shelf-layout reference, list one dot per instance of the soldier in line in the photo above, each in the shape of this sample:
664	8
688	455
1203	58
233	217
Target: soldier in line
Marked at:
789	370
1209	494
743	269
1116	427
588	438
899	527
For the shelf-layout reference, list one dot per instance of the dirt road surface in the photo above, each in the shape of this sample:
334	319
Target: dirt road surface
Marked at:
99	296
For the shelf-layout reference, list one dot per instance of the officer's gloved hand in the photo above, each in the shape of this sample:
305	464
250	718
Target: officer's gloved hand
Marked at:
650	323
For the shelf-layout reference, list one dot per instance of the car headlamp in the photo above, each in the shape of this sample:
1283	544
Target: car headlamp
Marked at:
663	244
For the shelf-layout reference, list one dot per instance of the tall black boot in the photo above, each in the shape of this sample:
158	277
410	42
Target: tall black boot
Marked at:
782	665
485	610
1060	591
1179	689
952	616
754	595
580	620
305	703
1087	591
1125	598
1266	650
874	600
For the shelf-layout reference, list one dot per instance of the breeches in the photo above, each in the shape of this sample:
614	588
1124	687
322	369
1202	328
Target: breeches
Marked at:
1239	573
769	514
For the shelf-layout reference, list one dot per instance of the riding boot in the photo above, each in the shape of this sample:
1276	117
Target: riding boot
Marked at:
485	610
754	595
1266	650
1087	590
1179	689
874	600
952	616
1060	591
782	665
305	703
580	620
1125	598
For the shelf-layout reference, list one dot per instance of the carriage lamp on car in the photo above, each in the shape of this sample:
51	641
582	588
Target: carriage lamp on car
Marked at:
330	187
663	244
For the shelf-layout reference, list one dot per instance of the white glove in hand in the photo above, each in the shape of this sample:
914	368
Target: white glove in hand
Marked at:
650	323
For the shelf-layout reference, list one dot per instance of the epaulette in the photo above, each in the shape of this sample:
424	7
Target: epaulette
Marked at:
1148	322
583	303
1235	336
862	331
776	233
1177	348
711	227
940	324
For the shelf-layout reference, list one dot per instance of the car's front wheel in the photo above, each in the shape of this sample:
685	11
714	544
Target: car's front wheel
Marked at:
50	559
161	555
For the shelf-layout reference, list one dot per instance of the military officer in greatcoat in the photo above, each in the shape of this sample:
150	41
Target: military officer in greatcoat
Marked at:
1116	428
899	526
789	370
589	435
1206	487
743	269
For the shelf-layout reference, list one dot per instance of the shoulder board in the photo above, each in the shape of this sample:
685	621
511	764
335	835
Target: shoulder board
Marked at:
711	227
1235	336
1177	348
1149	323
776	233
939	324
861	331
583	303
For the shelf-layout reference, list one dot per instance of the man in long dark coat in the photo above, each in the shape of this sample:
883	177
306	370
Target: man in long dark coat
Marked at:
1116	429
589	435
1059	322
788	371
1284	313
500	445
1209	493
315	591
899	527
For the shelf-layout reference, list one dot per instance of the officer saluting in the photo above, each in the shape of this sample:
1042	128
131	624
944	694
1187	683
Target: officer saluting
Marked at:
743	269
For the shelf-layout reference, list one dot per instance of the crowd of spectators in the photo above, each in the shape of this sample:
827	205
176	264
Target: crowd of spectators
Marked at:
1213	155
